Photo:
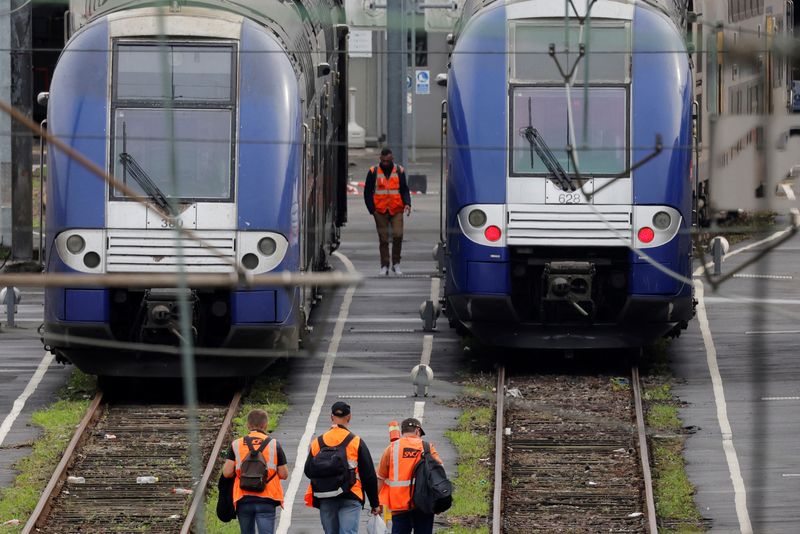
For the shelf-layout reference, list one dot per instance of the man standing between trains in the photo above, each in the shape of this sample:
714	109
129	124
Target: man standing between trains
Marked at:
394	479
257	508
340	507
387	197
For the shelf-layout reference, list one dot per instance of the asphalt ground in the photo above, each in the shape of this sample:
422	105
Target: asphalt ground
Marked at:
381	341
742	396
22	391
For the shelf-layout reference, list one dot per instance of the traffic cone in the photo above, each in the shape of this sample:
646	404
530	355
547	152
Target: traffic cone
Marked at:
394	431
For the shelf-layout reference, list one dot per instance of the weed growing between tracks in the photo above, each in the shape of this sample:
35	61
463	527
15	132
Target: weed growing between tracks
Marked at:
58	422
674	494
472	438
266	394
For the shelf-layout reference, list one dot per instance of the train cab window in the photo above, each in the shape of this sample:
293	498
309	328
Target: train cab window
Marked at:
196	72
607	58
190	116
602	148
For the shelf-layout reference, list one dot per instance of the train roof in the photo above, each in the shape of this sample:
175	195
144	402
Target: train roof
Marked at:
317	12
675	9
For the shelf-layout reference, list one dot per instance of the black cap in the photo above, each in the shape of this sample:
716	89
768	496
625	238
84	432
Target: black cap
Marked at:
340	409
408	425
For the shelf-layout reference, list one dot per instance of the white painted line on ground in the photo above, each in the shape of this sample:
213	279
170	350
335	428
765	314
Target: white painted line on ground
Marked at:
427	348
19	404
740	493
373	396
765	276
773	237
316	408
765	332
750	300
780	398
791	475
419	411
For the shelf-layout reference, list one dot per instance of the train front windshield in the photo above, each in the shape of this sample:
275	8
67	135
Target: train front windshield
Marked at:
599	96
173	108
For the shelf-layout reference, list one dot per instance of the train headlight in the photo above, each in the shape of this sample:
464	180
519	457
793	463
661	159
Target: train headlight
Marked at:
477	218
646	234
250	261
91	260
75	244
267	246
662	220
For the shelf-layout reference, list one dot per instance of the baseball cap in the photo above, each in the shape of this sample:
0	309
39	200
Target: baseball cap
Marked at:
340	409
408	425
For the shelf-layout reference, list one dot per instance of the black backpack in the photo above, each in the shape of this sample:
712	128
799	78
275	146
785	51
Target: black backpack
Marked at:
253	471
432	492
329	471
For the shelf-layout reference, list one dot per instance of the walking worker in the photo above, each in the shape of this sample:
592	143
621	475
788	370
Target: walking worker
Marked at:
257	489
387	197
340	468
394	479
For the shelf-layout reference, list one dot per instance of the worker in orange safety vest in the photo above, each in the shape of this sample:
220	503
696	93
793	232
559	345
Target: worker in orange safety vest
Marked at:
394	479
340	507
257	508
387	196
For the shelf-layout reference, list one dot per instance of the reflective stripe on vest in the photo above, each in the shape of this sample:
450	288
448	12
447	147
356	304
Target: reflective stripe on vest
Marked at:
351	452
396	491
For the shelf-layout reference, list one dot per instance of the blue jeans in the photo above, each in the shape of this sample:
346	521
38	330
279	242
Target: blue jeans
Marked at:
339	515
405	522
254	514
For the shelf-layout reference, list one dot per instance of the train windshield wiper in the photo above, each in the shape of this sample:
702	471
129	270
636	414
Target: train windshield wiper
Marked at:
147	184
536	142
130	165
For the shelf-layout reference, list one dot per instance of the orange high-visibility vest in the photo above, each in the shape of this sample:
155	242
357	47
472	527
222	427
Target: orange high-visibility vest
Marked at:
387	190
273	490
396	491
333	437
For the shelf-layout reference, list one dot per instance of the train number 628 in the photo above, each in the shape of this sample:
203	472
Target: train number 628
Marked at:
569	198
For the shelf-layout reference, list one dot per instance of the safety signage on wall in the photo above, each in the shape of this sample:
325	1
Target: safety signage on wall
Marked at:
423	82
360	43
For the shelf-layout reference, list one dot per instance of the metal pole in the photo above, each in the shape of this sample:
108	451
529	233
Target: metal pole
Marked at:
10	305
412	5
396	83
21	142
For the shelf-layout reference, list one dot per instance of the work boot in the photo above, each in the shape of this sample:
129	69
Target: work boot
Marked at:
396	269
384	271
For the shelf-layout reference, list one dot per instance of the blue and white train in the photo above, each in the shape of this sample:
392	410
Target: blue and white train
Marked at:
531	261
246	101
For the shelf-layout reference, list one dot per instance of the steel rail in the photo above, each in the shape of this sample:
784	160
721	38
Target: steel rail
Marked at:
643	451
499	423
57	480
199	495
151	280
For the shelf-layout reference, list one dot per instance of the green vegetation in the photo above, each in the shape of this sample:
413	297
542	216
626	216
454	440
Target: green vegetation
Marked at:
674	494
58	423
473	483
266	394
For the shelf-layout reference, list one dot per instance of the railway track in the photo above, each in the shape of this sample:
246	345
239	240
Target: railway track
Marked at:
96	488
573	456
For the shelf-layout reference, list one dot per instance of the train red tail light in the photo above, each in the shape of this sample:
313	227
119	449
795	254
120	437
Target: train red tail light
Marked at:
646	234
492	233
